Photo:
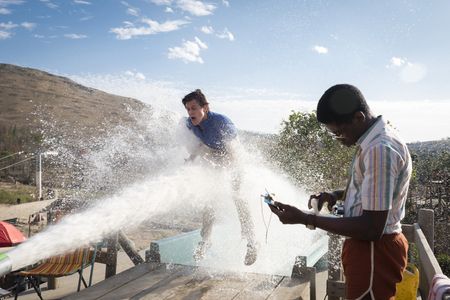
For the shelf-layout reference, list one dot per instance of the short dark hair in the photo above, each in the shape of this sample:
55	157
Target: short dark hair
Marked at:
339	103
196	95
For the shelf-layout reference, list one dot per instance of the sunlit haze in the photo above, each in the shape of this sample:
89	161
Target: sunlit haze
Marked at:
255	60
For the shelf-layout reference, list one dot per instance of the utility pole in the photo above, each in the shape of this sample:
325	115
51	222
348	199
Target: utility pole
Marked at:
39	169
38	157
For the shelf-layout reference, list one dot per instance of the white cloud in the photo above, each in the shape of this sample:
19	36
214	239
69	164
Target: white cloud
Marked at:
86	18
38	36
8	26
168	10
130	9
161	2
75	36
396	62
81	2
207	29
226	34
4	35
49	4
408	72
200	43
133	11
196	8
164	27
153	27
157	93
413	72
424	120
189	51
5	30
10	2
226	3
5	11
28	25
334	36
320	49
135	75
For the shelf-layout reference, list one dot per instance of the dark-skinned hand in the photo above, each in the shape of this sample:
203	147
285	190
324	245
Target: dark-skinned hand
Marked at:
288	214
323	198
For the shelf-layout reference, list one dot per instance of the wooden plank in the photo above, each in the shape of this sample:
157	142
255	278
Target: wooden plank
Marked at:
428	266
201	284
260	287
186	286
147	283
291	288
213	286
115	282
156	281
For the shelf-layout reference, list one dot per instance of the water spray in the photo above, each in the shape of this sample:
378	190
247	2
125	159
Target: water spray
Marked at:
5	264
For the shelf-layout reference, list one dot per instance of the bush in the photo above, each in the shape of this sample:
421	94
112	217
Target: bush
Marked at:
10	197
444	262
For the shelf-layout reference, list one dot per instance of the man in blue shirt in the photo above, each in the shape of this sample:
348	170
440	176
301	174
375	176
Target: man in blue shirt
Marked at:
216	131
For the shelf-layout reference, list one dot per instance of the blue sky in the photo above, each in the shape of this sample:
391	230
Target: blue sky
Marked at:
255	60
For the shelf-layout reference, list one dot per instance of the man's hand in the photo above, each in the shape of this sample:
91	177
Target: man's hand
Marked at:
329	198
288	214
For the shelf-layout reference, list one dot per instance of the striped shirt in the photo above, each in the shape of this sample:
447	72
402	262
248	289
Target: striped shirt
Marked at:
380	175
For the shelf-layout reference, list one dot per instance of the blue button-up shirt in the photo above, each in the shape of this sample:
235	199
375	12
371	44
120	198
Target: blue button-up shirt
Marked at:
215	131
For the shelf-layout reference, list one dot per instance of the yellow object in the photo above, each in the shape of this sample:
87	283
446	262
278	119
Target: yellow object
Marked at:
407	288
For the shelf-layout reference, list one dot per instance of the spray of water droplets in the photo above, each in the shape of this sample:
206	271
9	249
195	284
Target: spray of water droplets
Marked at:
134	173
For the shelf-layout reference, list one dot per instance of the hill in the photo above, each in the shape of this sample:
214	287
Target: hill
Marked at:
29	97
37	107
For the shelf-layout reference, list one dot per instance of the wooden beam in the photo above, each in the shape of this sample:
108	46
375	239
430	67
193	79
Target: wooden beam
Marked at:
111	256
128	246
153	255
428	265
426	223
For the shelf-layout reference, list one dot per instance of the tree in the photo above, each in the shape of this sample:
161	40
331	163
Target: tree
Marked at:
307	152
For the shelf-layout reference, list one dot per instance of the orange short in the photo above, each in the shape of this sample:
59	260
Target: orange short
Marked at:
390	258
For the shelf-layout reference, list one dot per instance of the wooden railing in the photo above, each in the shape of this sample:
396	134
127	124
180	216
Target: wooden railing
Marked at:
420	234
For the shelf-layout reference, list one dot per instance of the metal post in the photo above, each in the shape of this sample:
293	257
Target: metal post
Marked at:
40	176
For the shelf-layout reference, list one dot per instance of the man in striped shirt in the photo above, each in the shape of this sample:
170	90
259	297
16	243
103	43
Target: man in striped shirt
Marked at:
374	254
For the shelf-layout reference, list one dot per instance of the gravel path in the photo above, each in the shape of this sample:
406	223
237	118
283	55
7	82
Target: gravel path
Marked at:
21	210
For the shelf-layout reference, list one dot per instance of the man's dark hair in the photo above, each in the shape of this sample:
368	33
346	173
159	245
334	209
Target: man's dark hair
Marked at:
339	103
195	95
